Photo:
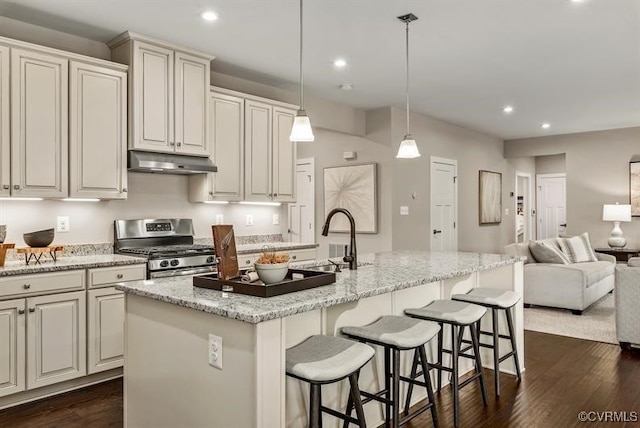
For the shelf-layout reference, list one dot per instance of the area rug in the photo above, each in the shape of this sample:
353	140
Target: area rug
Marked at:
596	323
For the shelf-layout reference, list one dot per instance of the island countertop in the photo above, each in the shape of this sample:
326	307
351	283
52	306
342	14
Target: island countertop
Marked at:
381	273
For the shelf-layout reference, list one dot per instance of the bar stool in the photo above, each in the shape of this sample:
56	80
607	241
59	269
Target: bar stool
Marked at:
496	300
458	315
321	360
395	334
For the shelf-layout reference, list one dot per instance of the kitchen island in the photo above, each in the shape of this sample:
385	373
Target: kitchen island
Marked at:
168	379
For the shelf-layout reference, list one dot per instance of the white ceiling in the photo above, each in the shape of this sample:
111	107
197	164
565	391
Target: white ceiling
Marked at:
575	65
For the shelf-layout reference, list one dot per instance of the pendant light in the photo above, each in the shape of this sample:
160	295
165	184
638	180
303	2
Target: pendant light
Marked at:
301	130
408	148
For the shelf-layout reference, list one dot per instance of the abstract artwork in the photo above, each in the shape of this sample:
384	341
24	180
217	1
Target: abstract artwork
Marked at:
490	197
353	188
634	187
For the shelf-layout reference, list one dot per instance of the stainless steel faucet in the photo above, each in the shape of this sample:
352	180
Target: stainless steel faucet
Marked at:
352	258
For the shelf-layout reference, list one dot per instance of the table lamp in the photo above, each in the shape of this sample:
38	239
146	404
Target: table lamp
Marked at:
616	213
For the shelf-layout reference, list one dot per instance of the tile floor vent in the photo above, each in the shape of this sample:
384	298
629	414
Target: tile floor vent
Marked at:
338	250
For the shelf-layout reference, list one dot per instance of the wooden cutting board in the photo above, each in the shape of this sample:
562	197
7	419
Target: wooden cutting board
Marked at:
224	242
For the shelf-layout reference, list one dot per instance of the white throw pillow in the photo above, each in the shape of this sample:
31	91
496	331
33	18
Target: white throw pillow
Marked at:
577	248
634	262
546	251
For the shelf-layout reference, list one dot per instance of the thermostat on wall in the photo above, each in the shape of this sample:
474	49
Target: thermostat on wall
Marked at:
349	155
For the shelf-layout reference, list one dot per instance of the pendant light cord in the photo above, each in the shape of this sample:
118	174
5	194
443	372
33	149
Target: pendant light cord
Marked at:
301	79
407	80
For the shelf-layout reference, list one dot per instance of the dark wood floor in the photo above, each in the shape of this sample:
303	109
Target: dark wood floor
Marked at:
564	376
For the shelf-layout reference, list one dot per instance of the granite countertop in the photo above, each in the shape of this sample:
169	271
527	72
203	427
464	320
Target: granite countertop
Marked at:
279	246
19	267
381	273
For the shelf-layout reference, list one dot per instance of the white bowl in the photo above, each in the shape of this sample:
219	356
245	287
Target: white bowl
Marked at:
271	273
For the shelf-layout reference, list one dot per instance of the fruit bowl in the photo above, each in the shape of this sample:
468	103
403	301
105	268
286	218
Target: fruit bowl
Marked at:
270	273
40	238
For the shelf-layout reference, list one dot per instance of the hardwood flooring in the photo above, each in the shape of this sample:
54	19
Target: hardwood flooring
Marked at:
564	376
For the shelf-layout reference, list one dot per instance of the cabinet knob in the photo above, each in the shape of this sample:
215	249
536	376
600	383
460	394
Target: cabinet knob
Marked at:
20	311
270	195
119	276
32	309
172	143
275	194
27	286
210	193
124	190
16	187
248	262
178	143
294	257
5	186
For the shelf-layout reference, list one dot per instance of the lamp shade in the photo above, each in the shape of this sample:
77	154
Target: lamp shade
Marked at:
301	129
616	212
408	148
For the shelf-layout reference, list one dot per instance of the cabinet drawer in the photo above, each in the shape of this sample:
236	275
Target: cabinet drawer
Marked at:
26	285
104	276
247	260
300	255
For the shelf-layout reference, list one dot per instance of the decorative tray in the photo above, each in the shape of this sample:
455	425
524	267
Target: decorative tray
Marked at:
296	280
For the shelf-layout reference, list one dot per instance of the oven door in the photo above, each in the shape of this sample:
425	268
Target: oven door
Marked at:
180	272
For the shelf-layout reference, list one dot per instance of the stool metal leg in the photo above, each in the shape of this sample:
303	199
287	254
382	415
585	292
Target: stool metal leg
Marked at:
427	380
414	370
513	341
496	351
396	387
314	406
387	385
454	374
357	400
440	338
475	340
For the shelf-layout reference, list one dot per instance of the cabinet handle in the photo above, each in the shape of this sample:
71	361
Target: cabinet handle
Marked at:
5	186
124	190
248	262
119	276
27	286
172	143
275	195
21	312
16	187
270	195
32	309
210	193
178	143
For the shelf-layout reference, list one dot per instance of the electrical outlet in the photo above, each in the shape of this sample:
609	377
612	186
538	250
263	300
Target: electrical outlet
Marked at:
63	224
219	218
249	220
215	351
276	219
404	210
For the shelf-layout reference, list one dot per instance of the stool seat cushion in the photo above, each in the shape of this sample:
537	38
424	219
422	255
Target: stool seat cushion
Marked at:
449	311
398	331
327	358
489	297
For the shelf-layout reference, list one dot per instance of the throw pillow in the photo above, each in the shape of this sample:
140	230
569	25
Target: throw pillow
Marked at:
578	248
546	251
634	262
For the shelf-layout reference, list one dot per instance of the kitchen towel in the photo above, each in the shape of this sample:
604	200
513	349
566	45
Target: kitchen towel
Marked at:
249	276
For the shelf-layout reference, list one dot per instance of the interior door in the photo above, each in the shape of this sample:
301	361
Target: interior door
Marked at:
443	231
301	213
551	196
523	218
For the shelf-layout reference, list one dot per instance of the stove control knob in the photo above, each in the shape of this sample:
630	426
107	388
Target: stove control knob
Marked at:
175	262
164	263
210	259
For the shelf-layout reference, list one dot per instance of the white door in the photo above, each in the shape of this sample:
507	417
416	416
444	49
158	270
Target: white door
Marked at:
106	329
551	204
12	348
301	213
444	201
56	338
523	209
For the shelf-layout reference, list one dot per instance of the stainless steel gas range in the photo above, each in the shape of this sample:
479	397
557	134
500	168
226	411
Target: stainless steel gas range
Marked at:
167	244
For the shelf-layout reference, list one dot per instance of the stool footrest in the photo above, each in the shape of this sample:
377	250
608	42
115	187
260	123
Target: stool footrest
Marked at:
378	396
403	420
339	415
501	336
469	380
507	355
413	381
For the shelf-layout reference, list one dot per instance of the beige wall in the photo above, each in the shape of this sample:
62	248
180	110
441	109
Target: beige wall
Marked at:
597	168
551	164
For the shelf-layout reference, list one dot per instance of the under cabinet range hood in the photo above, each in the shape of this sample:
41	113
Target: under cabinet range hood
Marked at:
166	163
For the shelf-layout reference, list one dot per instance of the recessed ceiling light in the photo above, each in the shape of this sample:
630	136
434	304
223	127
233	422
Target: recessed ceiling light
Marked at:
346	86
507	109
340	63
209	15
545	126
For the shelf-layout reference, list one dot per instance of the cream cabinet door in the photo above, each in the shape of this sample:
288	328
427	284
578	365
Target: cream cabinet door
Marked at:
106	329
284	156
98	132
152	98
12	346
39	124
56	338
257	149
191	104
5	141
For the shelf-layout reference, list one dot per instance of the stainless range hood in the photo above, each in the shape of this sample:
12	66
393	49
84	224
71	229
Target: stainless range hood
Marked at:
166	163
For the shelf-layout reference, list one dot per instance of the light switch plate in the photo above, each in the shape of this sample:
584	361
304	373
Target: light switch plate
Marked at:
404	210
276	219
249	220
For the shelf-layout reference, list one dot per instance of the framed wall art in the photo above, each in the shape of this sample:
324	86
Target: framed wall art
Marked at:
634	185
490	197
352	187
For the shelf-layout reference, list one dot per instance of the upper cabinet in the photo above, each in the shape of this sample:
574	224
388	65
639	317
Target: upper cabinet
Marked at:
168	94
39	124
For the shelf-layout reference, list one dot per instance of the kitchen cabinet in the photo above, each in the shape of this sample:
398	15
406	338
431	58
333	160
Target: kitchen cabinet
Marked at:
98	132
269	155
247	260
12	346
168	94
226	145
5	142
39	124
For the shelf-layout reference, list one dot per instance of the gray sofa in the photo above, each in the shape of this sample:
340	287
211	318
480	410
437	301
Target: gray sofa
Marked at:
627	303
569	286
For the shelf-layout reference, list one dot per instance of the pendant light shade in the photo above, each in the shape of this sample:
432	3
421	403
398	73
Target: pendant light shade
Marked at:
301	129
408	148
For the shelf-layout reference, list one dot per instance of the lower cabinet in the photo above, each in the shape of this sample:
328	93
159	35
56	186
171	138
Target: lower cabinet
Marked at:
106	329
12	346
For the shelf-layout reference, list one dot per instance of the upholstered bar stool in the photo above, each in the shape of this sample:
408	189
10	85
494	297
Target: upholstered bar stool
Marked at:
395	334
459	315
496	300
321	360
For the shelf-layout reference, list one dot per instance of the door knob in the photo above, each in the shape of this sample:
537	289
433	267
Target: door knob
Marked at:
435	231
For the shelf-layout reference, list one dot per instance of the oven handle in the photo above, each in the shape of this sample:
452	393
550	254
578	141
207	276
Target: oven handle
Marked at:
181	272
